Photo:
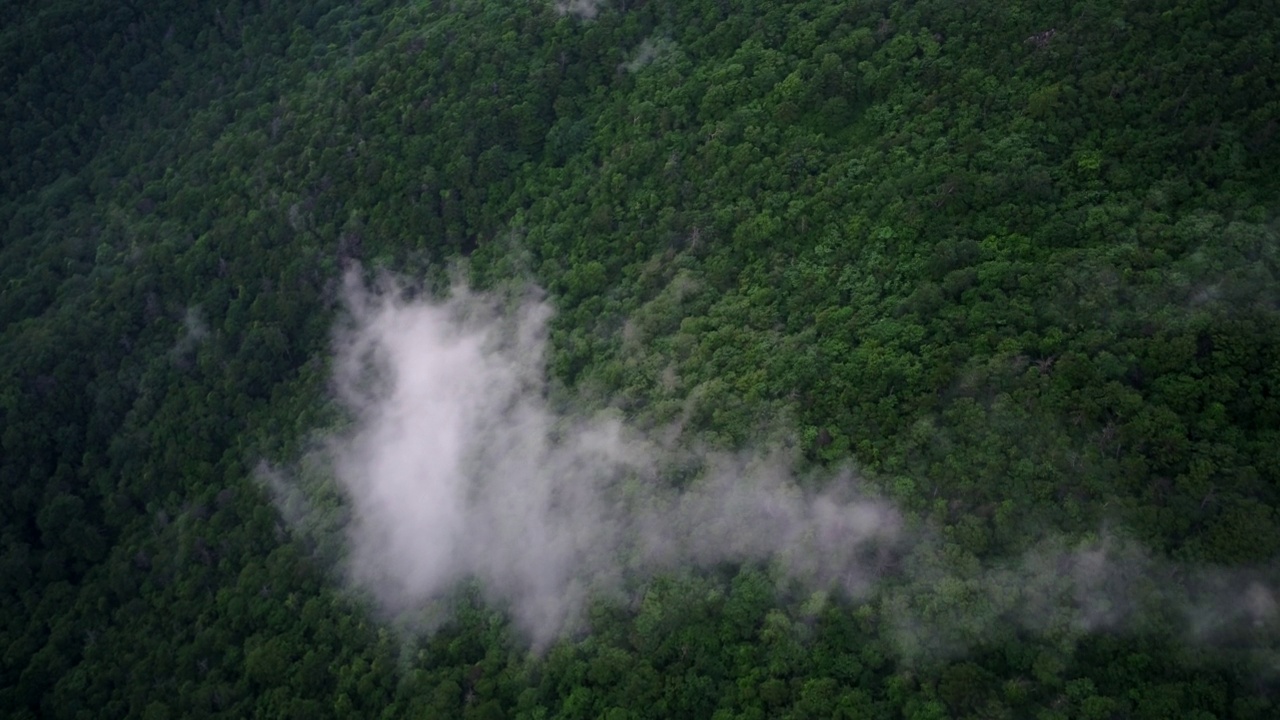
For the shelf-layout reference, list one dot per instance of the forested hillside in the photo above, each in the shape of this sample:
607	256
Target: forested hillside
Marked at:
1015	262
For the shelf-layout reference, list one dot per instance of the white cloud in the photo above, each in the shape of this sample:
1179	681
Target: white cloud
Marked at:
458	468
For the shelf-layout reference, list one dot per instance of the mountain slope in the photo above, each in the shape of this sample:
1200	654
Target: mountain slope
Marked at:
1017	261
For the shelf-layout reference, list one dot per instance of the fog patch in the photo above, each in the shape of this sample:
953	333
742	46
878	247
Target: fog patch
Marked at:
1065	591
194	331
647	53
584	9
458	466
460	463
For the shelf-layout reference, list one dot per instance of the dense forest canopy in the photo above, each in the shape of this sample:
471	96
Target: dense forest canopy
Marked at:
1016	263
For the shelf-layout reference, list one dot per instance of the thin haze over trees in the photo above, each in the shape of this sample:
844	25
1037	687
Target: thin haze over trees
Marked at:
997	282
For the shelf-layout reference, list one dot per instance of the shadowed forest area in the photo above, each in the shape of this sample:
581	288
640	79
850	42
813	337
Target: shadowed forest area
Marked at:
1016	263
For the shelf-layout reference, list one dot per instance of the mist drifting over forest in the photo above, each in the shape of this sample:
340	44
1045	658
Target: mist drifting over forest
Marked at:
894	359
462	464
458	467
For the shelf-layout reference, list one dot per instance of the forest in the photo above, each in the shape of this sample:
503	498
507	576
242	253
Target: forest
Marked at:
1015	266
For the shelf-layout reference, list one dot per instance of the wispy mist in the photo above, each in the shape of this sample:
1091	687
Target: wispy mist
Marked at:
1066	591
585	9
194	332
458	468
461	464
649	51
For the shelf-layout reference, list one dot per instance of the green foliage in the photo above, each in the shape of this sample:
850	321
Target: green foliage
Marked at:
1018	261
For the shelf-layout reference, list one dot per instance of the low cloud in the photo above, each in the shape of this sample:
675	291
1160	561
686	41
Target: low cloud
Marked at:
459	466
585	9
648	52
194	332
1065	591
461	463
